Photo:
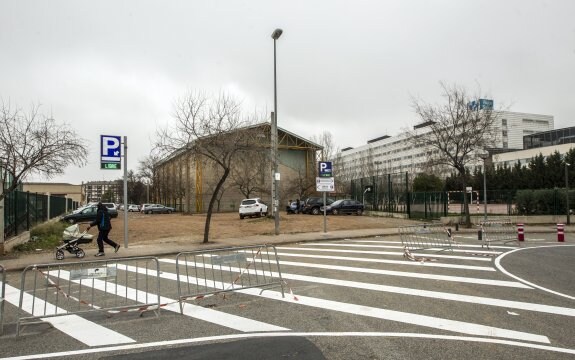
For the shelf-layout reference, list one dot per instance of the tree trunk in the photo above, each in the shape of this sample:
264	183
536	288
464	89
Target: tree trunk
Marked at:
211	206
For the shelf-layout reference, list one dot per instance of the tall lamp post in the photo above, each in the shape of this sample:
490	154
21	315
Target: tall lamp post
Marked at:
484	155
275	35
567	191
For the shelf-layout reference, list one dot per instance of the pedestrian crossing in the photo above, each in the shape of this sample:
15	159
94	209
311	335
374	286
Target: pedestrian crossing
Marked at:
458	279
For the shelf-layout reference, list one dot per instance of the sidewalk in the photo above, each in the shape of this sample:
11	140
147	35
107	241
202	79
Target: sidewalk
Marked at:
168	246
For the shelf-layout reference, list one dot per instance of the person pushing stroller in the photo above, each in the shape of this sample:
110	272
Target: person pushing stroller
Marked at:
104	226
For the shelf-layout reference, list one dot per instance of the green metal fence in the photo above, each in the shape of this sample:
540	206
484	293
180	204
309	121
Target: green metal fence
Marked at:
23	210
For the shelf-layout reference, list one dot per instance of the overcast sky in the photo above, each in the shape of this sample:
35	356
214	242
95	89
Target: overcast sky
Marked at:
348	67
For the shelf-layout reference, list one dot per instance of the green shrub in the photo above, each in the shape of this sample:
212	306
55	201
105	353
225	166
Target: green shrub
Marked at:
44	236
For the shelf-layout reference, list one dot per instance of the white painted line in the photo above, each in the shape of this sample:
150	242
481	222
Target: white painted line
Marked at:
393	253
220	338
383	314
399	247
456	245
500	267
197	312
461	279
74	326
395	262
479	300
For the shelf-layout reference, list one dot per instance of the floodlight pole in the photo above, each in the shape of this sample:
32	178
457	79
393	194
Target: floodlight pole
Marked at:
484	156
275	35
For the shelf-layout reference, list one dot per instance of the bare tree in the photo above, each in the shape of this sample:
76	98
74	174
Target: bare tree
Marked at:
33	143
455	131
325	139
209	128
248	170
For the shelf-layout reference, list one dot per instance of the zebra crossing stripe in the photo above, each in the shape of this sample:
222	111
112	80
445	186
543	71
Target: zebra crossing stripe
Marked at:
397	247
395	262
378	313
198	312
400	244
392	253
74	326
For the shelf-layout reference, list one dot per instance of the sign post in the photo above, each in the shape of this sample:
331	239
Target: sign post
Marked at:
325	183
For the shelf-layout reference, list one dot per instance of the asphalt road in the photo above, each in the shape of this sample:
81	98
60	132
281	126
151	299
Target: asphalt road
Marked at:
349	299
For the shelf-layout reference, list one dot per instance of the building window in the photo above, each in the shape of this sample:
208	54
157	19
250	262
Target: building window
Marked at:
505	144
504	133
504	122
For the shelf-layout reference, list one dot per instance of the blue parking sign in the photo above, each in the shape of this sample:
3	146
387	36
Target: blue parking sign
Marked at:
110	152
325	169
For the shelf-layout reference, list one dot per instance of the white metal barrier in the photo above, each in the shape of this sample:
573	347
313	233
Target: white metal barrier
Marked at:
501	231
57	289
426	237
204	273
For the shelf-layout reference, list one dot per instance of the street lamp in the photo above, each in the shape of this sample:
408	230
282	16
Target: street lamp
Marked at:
567	191
484	155
275	35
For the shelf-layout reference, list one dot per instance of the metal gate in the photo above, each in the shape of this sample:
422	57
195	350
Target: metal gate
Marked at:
57	289
204	273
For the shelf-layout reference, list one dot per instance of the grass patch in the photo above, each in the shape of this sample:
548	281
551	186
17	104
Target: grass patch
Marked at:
45	236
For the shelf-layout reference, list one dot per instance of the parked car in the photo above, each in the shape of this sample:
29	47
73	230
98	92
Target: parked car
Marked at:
313	205
158	209
253	207
133	207
345	206
86	214
144	206
112	209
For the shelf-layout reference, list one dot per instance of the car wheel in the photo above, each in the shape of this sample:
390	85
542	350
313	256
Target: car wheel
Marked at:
241	217
169	211
359	212
334	211
315	211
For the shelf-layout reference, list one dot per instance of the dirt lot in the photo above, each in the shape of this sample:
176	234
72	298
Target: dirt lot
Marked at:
144	228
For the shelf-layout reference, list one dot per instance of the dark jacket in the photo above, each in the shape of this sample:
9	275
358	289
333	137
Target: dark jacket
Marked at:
102	219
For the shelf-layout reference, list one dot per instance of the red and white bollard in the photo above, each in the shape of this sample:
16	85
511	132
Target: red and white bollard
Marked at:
520	233
560	232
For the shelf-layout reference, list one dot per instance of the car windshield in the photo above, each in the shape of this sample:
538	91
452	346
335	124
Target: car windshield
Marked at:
335	203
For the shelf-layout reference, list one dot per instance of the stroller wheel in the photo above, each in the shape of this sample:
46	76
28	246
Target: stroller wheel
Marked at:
59	255
80	253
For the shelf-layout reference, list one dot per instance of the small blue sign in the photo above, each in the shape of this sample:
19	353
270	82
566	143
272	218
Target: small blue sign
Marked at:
110	152
325	169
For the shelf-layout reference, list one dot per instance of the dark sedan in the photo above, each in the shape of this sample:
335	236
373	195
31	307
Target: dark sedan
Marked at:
158	209
87	214
345	206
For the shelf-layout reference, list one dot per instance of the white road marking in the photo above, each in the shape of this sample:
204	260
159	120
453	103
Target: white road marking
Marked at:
74	326
398	247
198	312
220	338
461	279
383	314
557	310
393	253
455	244
395	262
500	267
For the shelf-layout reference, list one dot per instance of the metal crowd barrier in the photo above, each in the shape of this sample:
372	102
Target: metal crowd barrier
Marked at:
205	273
2	297
426	237
109	286
502	231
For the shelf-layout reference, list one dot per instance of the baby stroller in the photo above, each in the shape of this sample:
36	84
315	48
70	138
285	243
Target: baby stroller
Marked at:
72	238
